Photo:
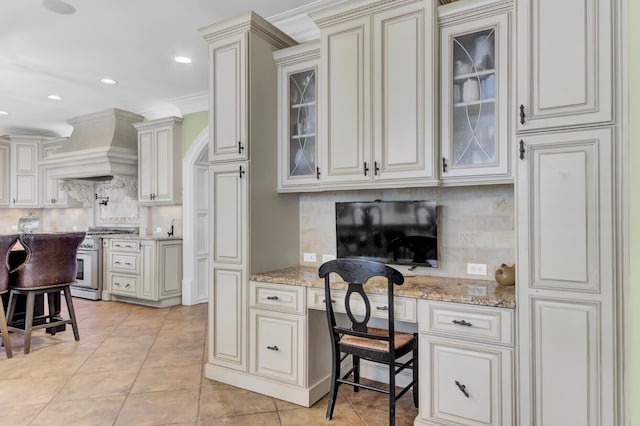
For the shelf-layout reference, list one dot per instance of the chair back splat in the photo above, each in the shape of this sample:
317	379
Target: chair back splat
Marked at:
6	242
361	341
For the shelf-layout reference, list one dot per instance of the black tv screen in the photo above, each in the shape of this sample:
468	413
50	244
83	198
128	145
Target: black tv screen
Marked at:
396	232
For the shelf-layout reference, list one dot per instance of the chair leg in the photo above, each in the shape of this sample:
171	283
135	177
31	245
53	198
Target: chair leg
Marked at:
13	298
356	371
416	386
392	393
72	313
52	309
5	332
28	322
333	391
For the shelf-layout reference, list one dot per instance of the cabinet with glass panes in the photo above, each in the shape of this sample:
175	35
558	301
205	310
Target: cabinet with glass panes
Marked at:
475	96
297	126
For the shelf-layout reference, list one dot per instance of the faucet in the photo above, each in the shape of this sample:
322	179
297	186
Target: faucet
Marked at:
170	233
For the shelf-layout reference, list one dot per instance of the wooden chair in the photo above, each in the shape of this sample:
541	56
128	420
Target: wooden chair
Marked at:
363	342
50	267
6	242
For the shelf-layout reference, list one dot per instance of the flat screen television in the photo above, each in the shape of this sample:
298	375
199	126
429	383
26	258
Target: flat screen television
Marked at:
395	232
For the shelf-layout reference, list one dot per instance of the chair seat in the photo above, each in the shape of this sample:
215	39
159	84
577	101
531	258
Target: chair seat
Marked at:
400	339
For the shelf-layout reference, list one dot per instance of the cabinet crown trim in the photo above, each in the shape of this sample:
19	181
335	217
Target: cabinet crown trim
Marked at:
352	10
299	53
473	10
247	22
159	121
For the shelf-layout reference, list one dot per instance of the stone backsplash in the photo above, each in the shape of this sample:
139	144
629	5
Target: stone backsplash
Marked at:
476	225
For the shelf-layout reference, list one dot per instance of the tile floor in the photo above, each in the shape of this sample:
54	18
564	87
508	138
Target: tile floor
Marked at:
144	366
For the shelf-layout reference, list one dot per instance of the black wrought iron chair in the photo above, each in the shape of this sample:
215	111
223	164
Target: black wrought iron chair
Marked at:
50	267
6	242
363	342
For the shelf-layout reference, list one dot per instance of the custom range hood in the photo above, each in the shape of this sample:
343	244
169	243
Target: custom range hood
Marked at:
102	144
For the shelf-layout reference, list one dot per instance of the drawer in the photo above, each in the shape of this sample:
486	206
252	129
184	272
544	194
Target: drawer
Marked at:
277	297
123	285
125	262
404	307
493	325
125	245
277	342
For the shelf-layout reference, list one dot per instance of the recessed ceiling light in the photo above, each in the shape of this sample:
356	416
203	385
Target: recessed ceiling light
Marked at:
59	6
182	60
107	80
54	97
4	113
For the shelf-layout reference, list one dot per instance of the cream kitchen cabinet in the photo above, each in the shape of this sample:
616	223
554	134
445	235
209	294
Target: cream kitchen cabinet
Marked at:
566	279
378	94
24	184
252	227
143	271
52	195
5	173
476	76
564	65
160	161
466	364
298	83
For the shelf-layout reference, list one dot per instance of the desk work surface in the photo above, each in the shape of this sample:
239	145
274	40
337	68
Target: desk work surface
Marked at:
444	289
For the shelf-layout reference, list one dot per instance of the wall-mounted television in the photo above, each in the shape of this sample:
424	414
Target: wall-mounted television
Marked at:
395	232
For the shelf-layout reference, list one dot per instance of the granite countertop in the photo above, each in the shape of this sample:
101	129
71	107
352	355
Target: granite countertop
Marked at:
155	237
429	287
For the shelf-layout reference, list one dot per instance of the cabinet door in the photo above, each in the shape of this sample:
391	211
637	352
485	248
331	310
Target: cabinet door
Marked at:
227	319
277	342
404	93
53	196
25	175
228	109
475	116
148	288
297	126
229	213
5	176
346	102
169	267
163	164
465	383
565	58
146	166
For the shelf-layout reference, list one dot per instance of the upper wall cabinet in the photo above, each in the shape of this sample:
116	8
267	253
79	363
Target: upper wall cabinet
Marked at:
52	195
565	61
475	92
24	171
5	161
377	94
160	161
298	116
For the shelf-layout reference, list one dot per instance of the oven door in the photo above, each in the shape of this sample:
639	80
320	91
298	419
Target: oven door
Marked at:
87	269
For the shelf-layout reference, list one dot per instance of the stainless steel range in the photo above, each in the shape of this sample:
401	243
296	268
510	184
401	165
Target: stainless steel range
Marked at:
88	283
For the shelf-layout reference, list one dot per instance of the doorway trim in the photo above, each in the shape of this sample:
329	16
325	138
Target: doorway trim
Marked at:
188	223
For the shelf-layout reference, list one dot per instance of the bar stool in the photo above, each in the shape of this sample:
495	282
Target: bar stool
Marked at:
50	267
6	242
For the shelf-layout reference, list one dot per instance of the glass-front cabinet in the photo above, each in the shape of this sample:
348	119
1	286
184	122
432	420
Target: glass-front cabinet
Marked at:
298	117
475	79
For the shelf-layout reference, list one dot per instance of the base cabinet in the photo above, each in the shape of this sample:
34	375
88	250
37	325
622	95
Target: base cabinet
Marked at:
146	272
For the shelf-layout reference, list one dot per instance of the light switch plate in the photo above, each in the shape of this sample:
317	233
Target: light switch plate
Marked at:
159	230
477	268
309	257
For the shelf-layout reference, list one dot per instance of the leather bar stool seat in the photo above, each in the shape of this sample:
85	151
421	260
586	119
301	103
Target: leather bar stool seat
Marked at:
50	267
6	242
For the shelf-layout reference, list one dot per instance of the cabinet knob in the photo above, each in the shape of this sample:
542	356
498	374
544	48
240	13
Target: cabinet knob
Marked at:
522	115
273	348
462	388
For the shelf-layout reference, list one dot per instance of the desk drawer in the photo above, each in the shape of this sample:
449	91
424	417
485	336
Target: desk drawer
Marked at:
404	307
494	325
123	285
125	262
277	297
125	245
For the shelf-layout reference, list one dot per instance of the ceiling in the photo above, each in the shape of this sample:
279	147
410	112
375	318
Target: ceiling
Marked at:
44	52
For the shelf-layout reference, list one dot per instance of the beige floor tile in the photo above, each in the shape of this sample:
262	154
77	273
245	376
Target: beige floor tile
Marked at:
343	414
89	412
123	343
32	390
95	385
262	419
159	408
162	379
19	415
126	360
161	357
226	401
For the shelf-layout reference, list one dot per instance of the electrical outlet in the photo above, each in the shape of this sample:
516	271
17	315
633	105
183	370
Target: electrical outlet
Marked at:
477	268
159	230
309	257
74	228
328	257
477	290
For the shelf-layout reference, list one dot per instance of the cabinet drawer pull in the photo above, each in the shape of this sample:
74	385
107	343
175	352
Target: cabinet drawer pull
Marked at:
118	245
241	172
462	322
444	165
117	284
127	286
240	147
522	115
273	298
318	173
521	149
462	388
365	168
117	262
382	308
128	263
273	348
376	168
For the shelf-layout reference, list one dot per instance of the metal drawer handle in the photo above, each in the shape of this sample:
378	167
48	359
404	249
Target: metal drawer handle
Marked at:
117	262
382	308
273	298
462	322
118	245
462	388
127	286
128	263
116	284
273	348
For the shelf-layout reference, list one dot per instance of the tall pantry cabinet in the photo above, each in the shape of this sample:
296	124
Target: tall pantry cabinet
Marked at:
566	196
252	228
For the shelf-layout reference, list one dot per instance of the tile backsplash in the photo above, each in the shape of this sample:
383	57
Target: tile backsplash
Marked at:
476	224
